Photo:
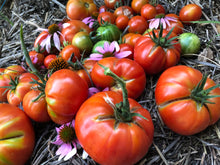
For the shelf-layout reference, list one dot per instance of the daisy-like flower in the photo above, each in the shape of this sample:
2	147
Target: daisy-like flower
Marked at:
89	21
49	37
67	141
109	50
165	21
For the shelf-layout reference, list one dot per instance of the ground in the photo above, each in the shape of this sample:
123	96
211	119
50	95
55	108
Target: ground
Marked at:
168	147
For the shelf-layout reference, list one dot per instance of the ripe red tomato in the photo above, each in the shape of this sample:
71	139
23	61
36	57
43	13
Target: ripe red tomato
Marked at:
136	5
148	11
48	59
125	68
160	9
190	12
122	22
68	50
36	58
65	92
71	28
17	136
178	26
111	3
137	24
155	58
21	87
107	140
106	16
36	110
79	9
175	97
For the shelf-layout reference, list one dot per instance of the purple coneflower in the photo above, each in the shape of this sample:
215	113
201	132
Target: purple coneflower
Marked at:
94	90
165	21
109	50
67	141
89	21
51	36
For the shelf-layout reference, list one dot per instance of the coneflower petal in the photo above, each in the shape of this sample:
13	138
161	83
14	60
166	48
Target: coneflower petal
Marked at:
100	49
56	41
123	54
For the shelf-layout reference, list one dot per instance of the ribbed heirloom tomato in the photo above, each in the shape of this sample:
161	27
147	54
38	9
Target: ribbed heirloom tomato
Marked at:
186	104
17	136
65	92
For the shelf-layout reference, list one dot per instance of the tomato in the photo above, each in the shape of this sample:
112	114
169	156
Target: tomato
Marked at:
148	11
83	42
36	110
48	59
68	50
190	43
108	140
190	12
108	32
125	68
17	136
122	22
124	10
71	28
179	104
4	81
111	3
102	8
154	57
14	70
37	58
20	87
79	9
106	17
178	26
127	47
136	5
160	9
137	24
65	92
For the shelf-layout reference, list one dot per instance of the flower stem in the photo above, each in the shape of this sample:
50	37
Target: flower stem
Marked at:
27	57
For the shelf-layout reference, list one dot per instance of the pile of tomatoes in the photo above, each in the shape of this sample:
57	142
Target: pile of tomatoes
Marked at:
56	82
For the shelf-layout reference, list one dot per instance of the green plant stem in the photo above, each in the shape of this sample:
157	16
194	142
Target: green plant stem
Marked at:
27	57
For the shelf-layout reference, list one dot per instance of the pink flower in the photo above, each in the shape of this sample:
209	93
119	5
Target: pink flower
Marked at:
155	22
109	50
94	90
89	21
67	141
50	37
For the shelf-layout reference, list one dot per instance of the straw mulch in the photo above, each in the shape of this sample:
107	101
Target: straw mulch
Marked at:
168	147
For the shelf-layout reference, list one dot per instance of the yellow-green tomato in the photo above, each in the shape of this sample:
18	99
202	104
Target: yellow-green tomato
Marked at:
83	42
190	43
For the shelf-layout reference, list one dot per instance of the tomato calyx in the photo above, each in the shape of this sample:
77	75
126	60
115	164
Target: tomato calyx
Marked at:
200	95
122	111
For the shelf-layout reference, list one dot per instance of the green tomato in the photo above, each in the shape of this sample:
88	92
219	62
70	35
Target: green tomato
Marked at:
99	43
109	32
190	43
83	42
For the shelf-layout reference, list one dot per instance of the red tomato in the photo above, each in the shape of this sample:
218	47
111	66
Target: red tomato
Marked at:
20	88
148	11
131	38
136	5
122	22
48	59
178	26
17	136
190	12
177	104
71	28
80	9
124	10
107	140
111	3
36	110
155	58
125	68
137	24
36	58
4	81
65	92
68	50
160	9
106	17
127	47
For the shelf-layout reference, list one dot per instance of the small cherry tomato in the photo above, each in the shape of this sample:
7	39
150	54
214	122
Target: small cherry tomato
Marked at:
190	12
68	50
106	16
137	4
122	22
137	24
148	11
48	59
160	9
